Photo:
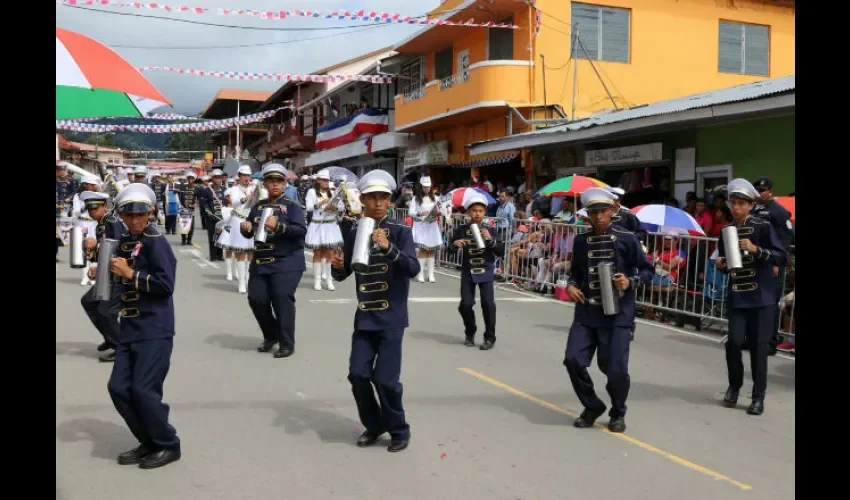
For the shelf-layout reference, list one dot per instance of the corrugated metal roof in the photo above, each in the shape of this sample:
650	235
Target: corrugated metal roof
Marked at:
745	92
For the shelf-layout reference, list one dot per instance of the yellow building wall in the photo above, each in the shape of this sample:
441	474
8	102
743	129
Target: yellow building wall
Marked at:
673	51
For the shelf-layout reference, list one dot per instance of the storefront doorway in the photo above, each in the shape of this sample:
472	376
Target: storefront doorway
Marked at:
643	185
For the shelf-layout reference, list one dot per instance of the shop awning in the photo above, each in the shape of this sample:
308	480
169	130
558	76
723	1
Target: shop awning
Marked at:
486	161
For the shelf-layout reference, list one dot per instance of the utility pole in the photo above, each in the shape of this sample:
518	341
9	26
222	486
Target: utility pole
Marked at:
575	70
238	149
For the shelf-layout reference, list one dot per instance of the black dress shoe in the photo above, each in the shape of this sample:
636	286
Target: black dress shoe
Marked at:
133	456
105	347
756	407
588	417
469	342
159	458
486	346
107	357
771	350
368	439
284	353
266	346
730	399
617	424
398	445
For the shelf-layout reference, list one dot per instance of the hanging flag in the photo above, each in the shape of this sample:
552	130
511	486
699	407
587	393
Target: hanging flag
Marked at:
369	144
369	121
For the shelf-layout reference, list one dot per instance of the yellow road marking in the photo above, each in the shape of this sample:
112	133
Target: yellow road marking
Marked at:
625	437
196	245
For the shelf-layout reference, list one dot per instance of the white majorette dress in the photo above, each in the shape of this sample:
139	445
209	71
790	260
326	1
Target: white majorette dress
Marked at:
323	231
426	235
89	225
233	239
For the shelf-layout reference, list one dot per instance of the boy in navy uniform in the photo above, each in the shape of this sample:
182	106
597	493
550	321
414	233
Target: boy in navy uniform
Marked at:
591	328
210	199
478	269
188	200
278	264
751	294
102	313
143	356
381	315
623	217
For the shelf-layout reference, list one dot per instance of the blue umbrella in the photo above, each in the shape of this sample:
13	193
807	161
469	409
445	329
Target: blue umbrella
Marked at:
455	196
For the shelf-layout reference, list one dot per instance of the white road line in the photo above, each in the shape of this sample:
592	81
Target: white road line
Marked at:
198	258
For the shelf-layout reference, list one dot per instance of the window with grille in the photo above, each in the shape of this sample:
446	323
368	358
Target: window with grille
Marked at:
604	32
500	43
744	49
410	77
443	64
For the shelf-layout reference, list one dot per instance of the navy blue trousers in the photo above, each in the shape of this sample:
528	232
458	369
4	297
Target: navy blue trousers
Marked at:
756	328
612	345
488	307
272	299
136	390
376	361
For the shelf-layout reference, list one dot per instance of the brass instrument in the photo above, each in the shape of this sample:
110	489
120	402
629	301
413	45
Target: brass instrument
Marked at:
352	204
253	196
339	195
434	215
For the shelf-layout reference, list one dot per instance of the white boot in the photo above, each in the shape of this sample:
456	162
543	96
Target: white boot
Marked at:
430	262
421	276
242	272
228	265
85	280
317	276
329	281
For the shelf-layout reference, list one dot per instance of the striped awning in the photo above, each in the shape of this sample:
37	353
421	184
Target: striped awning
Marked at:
486	162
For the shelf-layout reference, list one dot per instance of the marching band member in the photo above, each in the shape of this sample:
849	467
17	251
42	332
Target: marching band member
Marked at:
279	264
381	316
171	208
623	217
210	201
102	313
234	243
323	234
478	269
188	200
751	294
90	183
146	334
158	188
66	187
592	330
425	211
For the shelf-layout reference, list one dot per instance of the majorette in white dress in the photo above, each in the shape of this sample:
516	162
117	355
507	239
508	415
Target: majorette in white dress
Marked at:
426	235
82	219
323	231
233	239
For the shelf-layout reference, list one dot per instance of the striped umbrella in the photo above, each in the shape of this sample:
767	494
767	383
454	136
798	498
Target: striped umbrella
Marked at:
93	81
664	218
571	185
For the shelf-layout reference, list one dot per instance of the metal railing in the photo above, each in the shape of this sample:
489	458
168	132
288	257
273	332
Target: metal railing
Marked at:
686	288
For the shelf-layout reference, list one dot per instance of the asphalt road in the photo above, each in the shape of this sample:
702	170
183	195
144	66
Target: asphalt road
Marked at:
485	425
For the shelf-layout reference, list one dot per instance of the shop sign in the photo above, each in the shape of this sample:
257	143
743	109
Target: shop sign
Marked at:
643	153
433	153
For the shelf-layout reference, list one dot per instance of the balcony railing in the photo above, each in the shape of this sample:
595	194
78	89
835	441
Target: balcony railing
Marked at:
456	79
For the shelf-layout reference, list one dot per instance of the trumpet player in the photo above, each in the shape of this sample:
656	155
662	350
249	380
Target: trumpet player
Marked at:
279	264
751	294
323	233
381	316
477	270
425	211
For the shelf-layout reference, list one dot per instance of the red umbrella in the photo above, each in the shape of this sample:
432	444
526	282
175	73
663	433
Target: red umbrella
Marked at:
787	202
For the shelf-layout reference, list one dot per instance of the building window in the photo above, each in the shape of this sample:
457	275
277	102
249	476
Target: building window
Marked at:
410	77
443	64
744	49
500	43
603	32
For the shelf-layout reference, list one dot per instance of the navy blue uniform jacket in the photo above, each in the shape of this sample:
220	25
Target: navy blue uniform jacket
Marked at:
284	247
754	285
478	264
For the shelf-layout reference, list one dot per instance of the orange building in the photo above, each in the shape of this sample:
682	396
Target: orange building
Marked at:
461	85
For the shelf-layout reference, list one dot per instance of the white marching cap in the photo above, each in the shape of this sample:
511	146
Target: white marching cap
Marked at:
323	174
471	197
596	198
376	181
615	191
425	181
217	172
582	213
135	194
93	196
274	170
140	170
244	170
191	173
742	188
91	179
305	177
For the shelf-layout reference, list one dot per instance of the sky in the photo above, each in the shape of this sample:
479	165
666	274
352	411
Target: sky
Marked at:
166	41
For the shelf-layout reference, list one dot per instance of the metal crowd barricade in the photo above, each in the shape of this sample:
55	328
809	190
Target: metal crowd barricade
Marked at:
787	316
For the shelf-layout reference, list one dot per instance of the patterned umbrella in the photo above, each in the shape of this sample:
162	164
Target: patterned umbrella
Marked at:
93	81
663	218
337	172
455	196
572	185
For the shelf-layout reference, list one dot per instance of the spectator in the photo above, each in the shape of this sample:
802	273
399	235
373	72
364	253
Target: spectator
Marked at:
667	262
506	210
567	209
703	216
